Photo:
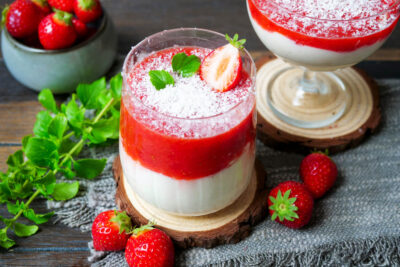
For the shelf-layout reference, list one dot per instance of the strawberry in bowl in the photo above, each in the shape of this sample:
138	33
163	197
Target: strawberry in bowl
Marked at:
52	41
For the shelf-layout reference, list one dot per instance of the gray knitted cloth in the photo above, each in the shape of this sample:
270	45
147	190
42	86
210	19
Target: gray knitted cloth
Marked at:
357	223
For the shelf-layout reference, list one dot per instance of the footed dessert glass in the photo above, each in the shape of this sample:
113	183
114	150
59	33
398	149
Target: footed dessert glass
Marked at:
185	164
317	38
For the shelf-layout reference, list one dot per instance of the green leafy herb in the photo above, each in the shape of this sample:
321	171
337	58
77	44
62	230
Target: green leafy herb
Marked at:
185	65
160	78
60	134
4	15
65	191
239	44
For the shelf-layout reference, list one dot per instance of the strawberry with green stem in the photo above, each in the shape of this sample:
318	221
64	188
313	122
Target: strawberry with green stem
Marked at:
87	10
150	247
111	230
222	68
56	31
22	17
64	5
291	204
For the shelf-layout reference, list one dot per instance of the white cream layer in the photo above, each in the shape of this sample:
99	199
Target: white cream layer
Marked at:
190	197
313	58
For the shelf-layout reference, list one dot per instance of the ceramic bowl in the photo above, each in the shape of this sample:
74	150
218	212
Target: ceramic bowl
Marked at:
61	70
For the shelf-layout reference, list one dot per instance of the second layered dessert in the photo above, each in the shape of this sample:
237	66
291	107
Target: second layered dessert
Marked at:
323	35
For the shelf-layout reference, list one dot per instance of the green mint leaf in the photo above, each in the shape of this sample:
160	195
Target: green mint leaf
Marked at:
88	93
160	78
43	120
65	191
104	129
185	65
46	98
58	126
239	44
67	145
66	168
41	152
37	218
14	208
103	98
46	184
5	192
4	15
116	86
25	140
23	230
75	115
89	168
5	241
15	160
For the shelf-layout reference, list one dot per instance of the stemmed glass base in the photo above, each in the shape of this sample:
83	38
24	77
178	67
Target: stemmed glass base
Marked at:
307	99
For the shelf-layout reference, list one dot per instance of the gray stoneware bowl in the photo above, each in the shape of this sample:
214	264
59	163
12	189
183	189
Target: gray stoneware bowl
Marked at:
61	70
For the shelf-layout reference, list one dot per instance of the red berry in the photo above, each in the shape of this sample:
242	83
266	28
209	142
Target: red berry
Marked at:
22	18
80	28
319	173
109	230
291	204
87	10
222	68
56	31
43	6
64	5
149	247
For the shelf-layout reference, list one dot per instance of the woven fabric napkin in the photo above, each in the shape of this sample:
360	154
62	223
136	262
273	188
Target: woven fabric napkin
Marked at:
356	223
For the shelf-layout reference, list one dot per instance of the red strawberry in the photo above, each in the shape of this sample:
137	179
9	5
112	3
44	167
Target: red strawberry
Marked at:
64	5
56	31
291	203
318	173
43	6
149	247
110	230
80	28
87	10
222	68
22	18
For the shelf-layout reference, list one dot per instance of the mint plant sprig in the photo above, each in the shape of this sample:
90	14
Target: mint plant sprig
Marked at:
60	134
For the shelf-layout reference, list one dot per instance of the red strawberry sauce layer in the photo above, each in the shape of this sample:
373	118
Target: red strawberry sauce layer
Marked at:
163	144
310	22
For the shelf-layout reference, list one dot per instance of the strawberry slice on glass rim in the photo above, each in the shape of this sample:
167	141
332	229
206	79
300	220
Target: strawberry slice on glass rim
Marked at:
222	68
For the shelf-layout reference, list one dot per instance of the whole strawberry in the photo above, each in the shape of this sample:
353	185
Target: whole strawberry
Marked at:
87	10
291	204
56	31
80	28
149	247
110	230
64	5
22	17
319	173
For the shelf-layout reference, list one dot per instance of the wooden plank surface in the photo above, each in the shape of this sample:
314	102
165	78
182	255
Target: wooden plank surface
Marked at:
58	245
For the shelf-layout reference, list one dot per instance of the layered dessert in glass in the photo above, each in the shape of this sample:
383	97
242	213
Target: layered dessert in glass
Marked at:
186	149
323	34
317	37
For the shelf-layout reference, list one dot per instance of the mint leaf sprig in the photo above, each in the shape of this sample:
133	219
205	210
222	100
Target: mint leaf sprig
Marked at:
239	44
60	134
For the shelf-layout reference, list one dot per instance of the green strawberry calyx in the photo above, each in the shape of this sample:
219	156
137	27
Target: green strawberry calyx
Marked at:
123	220
143	228
4	15
87	4
63	17
283	207
41	3
239	44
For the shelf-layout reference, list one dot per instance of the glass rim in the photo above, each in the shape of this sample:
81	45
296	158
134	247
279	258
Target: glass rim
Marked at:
396	3
252	75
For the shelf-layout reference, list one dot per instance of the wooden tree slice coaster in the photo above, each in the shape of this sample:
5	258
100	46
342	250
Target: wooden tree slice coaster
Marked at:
361	118
229	225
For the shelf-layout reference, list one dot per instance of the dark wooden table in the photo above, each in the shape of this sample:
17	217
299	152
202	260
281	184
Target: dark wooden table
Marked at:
58	245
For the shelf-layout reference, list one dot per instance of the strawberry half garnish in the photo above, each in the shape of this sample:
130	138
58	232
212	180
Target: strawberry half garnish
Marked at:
222	68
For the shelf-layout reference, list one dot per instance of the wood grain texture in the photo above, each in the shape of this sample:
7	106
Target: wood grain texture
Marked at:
279	135
227	231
